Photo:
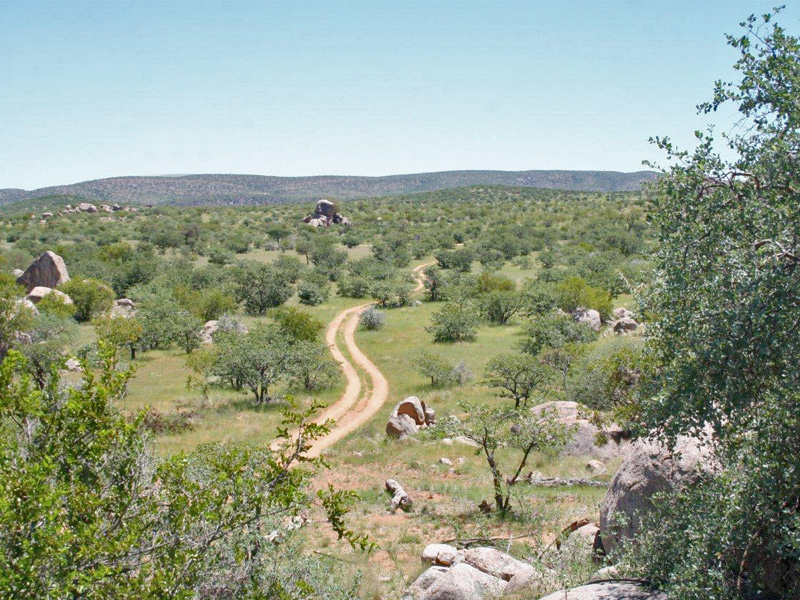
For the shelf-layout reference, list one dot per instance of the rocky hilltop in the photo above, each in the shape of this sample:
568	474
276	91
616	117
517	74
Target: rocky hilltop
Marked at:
259	189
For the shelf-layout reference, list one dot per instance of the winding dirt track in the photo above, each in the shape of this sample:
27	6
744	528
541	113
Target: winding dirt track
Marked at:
354	408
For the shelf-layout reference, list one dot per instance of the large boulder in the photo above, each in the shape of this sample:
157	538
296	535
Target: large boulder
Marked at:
413	407
49	270
37	293
464	582
326	208
418	589
589	316
584	433
625	325
495	563
649	468
608	590
408	416
401	426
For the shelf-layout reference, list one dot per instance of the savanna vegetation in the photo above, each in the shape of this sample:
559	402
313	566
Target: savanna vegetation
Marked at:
175	457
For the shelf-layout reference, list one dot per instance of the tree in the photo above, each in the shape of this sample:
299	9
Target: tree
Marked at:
494	429
260	287
326	257
453	323
499	306
440	371
459	259
91	297
553	331
256	360
517	376
88	510
119	332
312	366
725	315
297	324
313	290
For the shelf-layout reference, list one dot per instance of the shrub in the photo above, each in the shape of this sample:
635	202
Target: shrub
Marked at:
453	324
313	291
91	297
440	371
372	319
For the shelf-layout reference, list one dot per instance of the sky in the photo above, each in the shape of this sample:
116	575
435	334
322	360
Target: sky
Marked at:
101	89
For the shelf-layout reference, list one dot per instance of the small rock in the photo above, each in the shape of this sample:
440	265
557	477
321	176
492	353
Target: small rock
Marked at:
447	441
461	439
73	366
596	467
446	461
441	554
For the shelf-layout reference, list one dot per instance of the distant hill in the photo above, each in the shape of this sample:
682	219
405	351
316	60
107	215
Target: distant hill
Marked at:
260	189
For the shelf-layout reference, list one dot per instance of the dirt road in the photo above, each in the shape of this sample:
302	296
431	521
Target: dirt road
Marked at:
354	408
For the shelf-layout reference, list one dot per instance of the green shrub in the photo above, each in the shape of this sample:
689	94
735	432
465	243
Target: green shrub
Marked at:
91	297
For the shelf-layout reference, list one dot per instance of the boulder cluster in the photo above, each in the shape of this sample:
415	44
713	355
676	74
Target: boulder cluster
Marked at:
408	417
85	207
486	573
325	215
623	322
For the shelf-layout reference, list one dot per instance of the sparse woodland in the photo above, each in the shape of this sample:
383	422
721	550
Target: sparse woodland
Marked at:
157	423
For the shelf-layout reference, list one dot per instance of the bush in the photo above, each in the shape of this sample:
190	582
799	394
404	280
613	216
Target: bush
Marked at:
453	324
440	371
574	292
553	331
91	297
313	291
372	319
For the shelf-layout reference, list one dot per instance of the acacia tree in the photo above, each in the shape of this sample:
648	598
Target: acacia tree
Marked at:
517	376
494	429
725	314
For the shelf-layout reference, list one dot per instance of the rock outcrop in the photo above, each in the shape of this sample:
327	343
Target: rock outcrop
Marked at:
649	468
473	574
585	433
589	316
325	215
49	270
408	417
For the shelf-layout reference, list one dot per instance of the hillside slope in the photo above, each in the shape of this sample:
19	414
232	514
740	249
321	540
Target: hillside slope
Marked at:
259	189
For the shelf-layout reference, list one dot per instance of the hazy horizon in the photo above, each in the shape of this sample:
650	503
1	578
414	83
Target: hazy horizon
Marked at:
112	89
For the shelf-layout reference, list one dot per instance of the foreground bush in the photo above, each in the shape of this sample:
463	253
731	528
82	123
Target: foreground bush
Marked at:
87	510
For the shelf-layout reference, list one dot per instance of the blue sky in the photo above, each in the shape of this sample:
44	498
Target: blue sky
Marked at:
100	89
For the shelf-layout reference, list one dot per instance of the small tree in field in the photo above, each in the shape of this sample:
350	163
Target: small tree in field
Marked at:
119	332
517	376
494	429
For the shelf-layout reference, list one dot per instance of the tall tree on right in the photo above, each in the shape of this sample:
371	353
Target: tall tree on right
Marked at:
724	314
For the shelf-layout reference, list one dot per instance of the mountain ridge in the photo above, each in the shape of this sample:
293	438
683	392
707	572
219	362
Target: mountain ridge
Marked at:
268	189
